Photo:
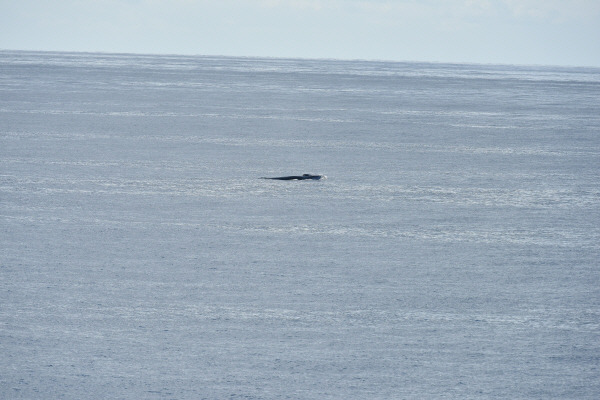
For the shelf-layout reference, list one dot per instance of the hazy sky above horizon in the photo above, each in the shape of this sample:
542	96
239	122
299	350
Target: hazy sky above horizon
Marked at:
551	32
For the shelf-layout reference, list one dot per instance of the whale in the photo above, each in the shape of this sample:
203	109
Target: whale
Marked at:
296	177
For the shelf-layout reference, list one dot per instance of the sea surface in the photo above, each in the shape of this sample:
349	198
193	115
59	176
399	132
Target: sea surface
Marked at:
452	252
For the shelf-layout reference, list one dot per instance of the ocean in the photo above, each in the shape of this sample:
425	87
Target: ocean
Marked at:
453	250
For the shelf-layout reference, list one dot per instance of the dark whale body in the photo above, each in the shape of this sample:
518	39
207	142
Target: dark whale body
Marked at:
297	177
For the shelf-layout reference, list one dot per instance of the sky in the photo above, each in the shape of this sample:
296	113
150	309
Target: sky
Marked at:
525	32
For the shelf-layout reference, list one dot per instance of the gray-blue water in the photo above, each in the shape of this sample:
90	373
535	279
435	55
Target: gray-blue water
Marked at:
453	251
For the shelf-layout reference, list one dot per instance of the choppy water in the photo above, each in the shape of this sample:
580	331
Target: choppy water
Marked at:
452	252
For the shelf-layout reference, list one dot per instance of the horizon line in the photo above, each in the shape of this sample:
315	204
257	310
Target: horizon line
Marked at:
263	57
